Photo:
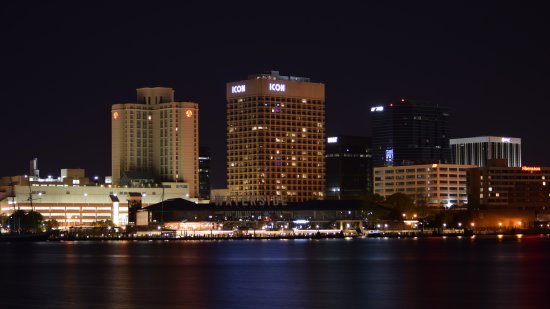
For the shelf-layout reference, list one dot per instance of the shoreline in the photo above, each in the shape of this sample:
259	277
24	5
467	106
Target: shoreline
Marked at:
293	237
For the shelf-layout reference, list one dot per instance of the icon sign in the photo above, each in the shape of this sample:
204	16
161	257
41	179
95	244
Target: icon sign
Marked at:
277	87
238	89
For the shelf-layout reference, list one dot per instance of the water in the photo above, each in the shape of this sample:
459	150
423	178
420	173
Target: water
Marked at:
335	273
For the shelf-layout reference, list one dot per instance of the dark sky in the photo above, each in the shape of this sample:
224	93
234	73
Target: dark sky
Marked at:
63	64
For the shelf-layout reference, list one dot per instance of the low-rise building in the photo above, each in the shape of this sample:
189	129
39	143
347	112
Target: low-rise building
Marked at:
500	186
433	185
77	205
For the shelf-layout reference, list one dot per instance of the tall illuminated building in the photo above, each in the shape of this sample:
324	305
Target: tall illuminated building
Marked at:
410	133
275	138
156	136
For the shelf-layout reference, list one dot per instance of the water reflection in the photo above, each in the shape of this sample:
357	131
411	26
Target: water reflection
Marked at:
480	272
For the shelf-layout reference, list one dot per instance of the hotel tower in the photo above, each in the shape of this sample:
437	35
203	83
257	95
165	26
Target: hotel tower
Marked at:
275	138
156	136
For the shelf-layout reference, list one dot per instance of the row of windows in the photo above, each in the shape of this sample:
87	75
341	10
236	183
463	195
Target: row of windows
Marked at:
423	176
412	170
275	99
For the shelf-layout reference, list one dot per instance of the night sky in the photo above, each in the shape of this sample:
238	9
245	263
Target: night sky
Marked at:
63	64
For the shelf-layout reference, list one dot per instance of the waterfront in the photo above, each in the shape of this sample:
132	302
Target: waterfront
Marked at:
510	271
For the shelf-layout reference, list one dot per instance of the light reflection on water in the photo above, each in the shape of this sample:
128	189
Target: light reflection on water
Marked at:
505	271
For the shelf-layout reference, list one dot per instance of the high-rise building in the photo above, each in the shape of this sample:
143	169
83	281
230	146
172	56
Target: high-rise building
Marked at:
156	136
204	172
410	132
348	167
275	138
477	150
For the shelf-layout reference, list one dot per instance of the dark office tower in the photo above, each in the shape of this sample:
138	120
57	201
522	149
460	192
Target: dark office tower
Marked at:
410	132
204	172
348	167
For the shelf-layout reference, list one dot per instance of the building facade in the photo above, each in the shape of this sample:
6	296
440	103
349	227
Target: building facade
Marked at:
348	167
410	132
432	185
156	136
497	186
81	205
275	137
477	150
204	172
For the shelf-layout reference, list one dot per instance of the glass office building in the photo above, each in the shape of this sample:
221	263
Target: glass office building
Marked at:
410	132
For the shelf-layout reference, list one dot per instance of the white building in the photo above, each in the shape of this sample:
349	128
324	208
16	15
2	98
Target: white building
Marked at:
477	150
158	137
73	205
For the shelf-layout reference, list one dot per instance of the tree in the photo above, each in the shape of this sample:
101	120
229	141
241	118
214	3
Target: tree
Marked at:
372	208
50	225
24	221
4	220
399	203
371	200
103	223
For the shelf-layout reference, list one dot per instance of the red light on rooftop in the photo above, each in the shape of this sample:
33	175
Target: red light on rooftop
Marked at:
403	100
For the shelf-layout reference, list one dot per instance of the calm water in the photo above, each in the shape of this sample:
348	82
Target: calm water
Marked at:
339	273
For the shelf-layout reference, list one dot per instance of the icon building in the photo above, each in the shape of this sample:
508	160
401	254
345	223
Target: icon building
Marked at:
275	138
157	138
409	133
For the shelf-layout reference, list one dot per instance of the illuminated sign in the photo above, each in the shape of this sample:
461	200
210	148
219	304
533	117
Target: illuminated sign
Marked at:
189	113
530	168
115	115
277	87
506	140
332	140
238	89
389	155
377	109
249	201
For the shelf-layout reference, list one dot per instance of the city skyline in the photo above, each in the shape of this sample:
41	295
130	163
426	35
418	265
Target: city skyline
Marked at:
67	67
